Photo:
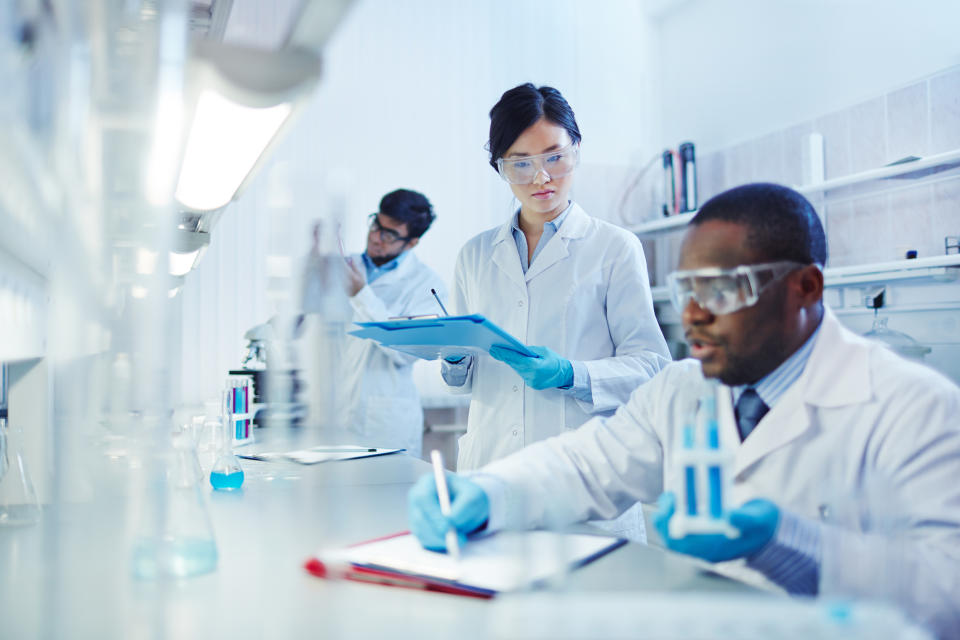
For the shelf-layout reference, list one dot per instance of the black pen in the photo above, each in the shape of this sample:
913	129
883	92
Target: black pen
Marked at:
442	308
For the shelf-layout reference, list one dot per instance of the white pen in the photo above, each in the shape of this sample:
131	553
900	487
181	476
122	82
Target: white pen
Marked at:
453	546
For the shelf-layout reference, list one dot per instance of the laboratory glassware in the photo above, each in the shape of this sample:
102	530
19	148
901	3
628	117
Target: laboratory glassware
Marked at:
178	541
19	504
226	473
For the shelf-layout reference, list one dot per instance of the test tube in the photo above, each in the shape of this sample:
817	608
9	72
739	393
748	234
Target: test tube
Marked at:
669	184
690	471
688	178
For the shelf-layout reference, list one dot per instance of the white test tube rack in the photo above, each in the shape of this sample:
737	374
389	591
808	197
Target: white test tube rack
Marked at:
705	463
238	410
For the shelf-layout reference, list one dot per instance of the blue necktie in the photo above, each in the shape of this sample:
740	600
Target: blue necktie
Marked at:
750	410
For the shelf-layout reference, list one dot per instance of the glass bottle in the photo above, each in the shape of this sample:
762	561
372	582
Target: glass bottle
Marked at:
18	497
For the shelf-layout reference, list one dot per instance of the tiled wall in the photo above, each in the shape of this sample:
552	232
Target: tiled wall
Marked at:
879	221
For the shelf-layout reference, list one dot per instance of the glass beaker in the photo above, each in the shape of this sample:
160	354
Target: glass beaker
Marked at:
178	540
18	497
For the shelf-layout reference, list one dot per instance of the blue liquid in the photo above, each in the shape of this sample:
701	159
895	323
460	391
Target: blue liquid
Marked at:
179	558
226	481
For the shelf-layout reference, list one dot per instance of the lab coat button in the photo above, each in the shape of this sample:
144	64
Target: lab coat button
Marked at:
516	388
515	432
519	303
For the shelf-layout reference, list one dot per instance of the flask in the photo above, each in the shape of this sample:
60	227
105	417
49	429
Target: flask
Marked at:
226	473
18	497
177	540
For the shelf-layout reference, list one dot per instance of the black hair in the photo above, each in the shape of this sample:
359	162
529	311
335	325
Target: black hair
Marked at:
521	107
782	224
409	207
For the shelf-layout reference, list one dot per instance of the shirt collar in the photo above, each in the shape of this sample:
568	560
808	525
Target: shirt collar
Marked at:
387	266
772	386
555	223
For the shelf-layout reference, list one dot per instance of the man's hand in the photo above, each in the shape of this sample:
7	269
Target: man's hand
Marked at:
469	510
756	520
356	279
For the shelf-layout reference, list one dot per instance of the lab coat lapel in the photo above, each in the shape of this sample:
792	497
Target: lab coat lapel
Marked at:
506	256
574	226
834	376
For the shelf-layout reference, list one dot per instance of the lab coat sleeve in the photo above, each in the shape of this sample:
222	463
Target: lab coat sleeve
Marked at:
640	350
459	377
594	472
909	550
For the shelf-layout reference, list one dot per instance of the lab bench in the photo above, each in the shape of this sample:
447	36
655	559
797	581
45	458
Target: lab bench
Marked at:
69	575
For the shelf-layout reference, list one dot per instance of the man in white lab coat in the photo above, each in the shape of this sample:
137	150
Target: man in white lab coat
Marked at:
375	387
847	457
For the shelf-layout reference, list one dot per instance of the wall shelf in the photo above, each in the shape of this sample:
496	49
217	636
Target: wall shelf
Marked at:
925	166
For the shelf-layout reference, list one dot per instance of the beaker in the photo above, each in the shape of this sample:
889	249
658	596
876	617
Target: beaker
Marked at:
18	497
177	540
226	473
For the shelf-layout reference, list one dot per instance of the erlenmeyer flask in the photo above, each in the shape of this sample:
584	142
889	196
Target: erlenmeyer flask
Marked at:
18	497
226	473
178	537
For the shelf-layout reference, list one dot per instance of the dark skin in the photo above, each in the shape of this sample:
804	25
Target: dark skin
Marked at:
742	347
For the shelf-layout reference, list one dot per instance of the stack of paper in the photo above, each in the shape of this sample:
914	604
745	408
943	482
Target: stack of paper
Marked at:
322	454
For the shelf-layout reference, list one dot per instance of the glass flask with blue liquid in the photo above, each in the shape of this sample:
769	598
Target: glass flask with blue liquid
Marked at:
226	473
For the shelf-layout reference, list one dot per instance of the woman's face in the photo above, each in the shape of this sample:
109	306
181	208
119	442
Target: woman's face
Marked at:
546	197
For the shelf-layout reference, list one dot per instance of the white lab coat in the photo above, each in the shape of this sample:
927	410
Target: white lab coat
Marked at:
859	417
587	297
375	385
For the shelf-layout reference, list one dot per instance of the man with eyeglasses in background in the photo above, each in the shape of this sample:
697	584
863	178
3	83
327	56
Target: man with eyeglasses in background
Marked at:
387	281
846	456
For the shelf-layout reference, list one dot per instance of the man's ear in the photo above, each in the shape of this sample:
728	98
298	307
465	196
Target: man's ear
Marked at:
809	283
412	243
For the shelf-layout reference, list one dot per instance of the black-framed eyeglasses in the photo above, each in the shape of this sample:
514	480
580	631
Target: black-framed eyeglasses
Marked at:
386	235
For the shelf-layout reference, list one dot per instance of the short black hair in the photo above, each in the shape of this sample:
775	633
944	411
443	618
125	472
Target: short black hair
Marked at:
521	107
409	207
782	224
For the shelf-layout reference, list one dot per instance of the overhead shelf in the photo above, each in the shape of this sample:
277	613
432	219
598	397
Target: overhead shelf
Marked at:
921	166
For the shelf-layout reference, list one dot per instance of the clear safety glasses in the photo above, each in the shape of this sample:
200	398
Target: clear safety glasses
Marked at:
723	291
525	169
386	235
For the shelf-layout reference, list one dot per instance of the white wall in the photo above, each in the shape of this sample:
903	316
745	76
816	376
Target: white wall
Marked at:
737	69
404	102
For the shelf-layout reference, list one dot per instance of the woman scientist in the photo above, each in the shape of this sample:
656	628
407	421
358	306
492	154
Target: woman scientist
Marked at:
551	275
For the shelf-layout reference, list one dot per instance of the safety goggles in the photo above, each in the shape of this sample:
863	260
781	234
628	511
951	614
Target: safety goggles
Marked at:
723	291
525	169
386	235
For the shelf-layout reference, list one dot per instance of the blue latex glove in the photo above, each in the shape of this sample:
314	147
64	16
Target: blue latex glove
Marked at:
756	520
469	510
544	372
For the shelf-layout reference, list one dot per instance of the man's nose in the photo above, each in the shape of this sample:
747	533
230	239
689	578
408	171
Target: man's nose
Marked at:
694	314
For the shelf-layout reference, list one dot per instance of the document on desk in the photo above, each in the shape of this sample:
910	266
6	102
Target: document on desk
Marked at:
492	564
432	338
322	454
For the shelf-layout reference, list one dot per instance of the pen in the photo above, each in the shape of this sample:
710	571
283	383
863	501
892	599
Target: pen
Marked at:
336	450
453	547
442	308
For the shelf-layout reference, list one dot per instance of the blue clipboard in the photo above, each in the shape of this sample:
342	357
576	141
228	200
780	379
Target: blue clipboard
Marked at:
432	338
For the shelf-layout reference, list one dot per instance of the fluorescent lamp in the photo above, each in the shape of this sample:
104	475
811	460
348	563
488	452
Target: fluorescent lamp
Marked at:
225	142
182	263
187	249
240	100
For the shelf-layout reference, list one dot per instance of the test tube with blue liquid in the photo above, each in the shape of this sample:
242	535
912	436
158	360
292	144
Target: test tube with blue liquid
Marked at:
226	473
705	462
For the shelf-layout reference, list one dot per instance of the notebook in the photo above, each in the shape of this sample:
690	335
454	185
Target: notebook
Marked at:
488	565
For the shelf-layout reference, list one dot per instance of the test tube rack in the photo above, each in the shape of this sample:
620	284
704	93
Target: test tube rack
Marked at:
239	413
703	493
